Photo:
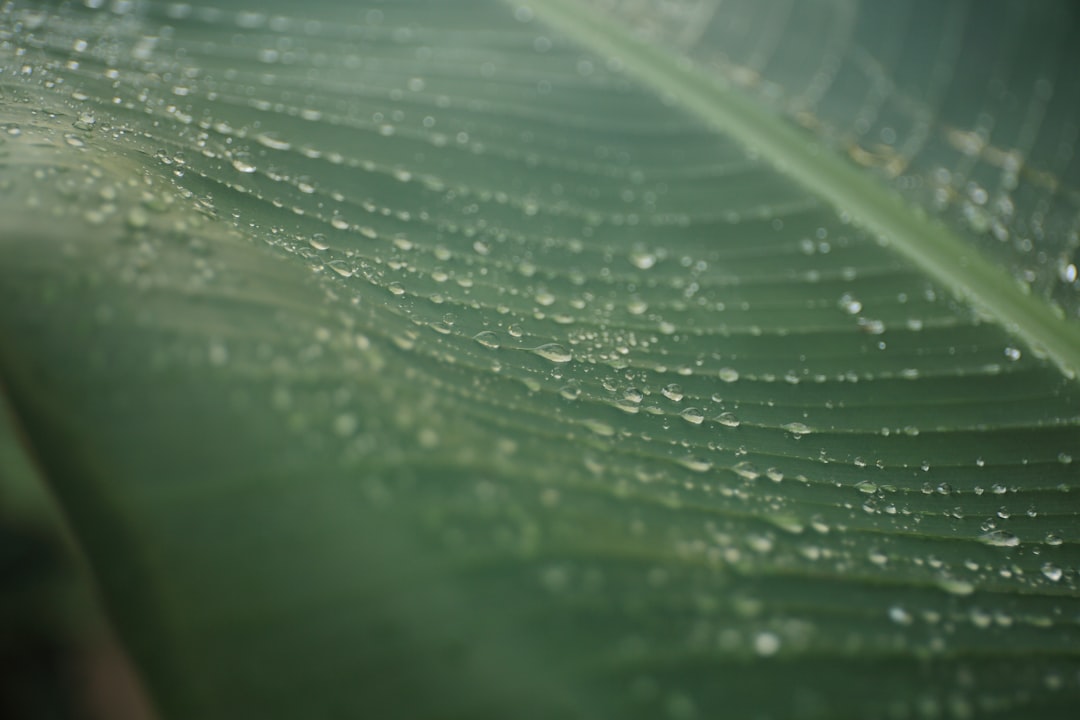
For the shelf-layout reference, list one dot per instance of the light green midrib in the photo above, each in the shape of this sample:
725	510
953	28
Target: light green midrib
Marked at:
945	257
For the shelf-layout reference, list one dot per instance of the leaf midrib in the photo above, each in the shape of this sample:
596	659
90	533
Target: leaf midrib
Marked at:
929	244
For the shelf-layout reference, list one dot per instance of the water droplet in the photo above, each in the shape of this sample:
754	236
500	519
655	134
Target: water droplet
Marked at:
797	429
866	486
1052	539
242	162
599	427
318	242
218	354
672	392
692	415
954	586
488	339
345	424
554	352
137	218
850	304
695	464
1052	572
267	140
643	260
396	288
728	419
86	121
766	644
899	615
746	470
1012	353
999	538
340	267
728	375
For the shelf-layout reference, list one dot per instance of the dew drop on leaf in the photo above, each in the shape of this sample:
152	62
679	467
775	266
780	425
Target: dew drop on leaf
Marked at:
692	415
554	352
672	392
242	162
643	260
1052	572
766	644
488	339
728	419
728	375
797	429
900	616
999	538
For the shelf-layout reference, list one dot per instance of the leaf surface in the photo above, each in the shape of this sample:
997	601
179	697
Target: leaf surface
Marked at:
424	360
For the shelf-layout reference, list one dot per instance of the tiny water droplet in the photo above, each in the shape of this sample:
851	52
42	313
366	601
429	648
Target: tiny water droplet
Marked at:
728	375
899	615
242	163
268	140
86	121
318	242
643	260
1052	572
797	429
999	538
672	392
340	267
345	424
695	464
554	352
599	427
728	419
766	644
866	486
488	339
692	415
746	470
954	586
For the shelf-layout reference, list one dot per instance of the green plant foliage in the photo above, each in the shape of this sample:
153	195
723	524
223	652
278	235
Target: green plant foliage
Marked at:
476	359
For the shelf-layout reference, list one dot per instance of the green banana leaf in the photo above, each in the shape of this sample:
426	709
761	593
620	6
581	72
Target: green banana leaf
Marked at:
554	359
